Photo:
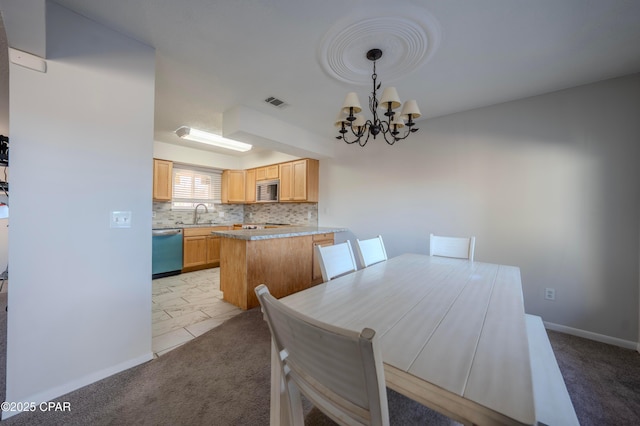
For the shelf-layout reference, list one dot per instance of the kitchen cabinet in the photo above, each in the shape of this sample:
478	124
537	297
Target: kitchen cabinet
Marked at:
194	252
282	261
200	249
162	176
286	179
268	172
321	240
213	250
233	186
250	186
299	180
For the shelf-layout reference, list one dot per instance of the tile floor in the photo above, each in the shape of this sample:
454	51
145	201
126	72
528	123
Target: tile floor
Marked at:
186	306
183	307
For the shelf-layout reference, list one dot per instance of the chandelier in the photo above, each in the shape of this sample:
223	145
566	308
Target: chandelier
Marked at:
353	126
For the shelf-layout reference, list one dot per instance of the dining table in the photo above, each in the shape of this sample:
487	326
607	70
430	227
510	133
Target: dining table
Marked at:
452	334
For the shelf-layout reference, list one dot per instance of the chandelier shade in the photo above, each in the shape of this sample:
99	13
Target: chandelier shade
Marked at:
354	128
411	107
351	102
390	96
398	122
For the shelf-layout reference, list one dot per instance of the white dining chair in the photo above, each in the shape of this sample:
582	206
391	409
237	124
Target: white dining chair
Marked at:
459	247
339	371
336	260
371	251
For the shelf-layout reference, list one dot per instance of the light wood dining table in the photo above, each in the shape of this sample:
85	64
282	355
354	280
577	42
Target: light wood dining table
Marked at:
452	334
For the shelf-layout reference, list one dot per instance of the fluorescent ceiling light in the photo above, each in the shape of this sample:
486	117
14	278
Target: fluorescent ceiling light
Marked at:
211	139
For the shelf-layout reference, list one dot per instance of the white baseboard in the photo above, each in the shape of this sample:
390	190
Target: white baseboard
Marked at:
627	344
51	394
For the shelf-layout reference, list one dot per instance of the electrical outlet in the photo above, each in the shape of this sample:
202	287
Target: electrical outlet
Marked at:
220	214
550	293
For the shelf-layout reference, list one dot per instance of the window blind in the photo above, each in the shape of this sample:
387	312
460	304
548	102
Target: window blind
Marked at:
192	186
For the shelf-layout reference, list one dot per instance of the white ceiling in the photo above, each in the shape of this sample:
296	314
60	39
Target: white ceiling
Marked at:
214	55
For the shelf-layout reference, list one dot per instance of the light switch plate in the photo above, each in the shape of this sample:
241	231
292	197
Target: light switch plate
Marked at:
121	219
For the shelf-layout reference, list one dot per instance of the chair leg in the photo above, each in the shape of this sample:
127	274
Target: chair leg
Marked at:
286	403
295	402
280	413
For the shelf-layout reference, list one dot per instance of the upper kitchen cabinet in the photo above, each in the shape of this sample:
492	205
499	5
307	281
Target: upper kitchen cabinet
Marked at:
299	180
250	185
234	186
162	187
268	172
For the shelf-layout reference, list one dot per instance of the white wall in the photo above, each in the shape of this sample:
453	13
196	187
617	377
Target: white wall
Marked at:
183	154
81	147
264	158
549	183
4	130
187	155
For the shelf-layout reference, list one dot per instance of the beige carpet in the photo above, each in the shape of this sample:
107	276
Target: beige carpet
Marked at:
222	378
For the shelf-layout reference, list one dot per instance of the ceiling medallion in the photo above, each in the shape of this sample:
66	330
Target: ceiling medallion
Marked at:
408	39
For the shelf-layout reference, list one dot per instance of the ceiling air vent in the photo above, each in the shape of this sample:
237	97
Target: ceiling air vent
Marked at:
276	102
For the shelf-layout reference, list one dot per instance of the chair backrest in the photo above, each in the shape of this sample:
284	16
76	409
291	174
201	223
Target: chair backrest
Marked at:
371	251
336	260
459	247
340	371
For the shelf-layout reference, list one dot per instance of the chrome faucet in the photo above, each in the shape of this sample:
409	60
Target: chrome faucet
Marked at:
195	213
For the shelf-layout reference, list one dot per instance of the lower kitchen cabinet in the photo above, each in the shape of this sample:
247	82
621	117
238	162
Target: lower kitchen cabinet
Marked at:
213	250
200	249
286	265
194	252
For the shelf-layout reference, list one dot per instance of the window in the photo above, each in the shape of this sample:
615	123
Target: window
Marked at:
192	186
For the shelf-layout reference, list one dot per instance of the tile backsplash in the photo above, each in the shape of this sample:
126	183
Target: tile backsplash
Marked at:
305	214
292	213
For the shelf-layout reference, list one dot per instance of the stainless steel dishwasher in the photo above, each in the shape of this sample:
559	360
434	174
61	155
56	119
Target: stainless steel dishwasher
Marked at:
166	258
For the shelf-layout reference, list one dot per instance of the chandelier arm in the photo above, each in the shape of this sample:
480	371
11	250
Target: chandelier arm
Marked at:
365	141
356	140
406	135
358	136
386	131
343	135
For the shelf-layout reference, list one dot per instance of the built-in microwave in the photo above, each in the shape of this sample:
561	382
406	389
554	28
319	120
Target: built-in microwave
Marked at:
267	191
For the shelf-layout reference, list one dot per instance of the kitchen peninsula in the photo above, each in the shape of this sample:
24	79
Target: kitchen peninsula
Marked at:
281	258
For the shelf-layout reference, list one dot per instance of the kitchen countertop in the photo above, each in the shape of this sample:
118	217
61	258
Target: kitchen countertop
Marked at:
190	225
283	232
